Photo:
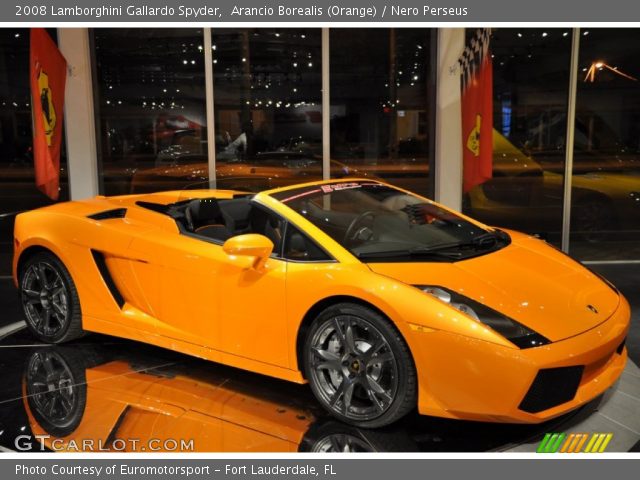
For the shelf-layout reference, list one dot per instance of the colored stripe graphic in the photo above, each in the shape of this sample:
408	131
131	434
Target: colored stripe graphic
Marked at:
551	442
543	443
559	440
606	442
581	443
570	439
592	440
573	442
598	443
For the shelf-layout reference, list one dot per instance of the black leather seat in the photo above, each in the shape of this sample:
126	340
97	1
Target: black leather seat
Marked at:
265	224
205	218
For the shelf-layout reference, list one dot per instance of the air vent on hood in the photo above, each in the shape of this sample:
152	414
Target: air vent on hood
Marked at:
109	214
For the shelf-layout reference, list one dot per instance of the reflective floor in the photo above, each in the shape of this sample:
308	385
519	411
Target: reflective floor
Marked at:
102	393
107	391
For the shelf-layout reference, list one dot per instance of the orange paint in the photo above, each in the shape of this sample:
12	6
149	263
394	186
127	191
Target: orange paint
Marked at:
192	296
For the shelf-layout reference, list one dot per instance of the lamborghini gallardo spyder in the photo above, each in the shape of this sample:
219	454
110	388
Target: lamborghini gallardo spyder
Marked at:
382	300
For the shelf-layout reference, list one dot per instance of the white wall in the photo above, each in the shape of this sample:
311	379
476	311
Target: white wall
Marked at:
448	167
82	160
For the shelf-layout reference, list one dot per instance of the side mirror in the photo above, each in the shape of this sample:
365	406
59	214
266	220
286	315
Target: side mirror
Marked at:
249	245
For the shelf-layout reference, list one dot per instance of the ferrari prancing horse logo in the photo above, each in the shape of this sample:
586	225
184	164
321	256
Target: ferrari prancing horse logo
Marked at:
473	140
46	101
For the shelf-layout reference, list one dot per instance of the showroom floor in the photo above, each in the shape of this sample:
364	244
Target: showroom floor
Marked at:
109	389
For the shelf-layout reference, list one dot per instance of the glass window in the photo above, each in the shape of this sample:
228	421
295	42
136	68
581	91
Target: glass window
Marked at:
265	222
18	191
530	88
605	198
268	107
150	108
381	104
378	223
299	247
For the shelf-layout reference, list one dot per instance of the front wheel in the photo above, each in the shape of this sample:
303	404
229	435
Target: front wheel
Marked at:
359	367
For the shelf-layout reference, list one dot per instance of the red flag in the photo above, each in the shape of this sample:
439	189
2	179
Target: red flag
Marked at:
48	74
477	110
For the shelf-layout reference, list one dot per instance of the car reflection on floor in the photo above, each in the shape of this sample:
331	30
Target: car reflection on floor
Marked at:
103	394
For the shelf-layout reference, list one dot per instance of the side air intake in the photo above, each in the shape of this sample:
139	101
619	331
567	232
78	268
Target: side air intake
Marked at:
109	214
101	263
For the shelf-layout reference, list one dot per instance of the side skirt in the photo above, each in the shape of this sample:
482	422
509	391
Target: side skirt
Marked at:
96	325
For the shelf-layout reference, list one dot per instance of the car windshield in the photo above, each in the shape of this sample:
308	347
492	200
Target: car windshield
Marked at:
378	223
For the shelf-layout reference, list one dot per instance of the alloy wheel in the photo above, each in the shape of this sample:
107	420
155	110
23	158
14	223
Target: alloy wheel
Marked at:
353	367
51	388
341	443
45	299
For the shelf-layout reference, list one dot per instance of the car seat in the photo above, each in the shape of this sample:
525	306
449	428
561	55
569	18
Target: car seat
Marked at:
205	218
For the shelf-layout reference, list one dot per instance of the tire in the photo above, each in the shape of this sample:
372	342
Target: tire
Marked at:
359	366
336	437
56	389
50	300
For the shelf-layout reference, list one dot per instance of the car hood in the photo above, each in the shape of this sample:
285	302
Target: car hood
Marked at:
529	281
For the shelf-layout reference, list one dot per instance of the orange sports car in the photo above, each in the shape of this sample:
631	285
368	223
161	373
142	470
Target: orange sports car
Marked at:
382	300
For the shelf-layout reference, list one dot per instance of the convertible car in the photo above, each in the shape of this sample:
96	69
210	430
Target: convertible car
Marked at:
382	300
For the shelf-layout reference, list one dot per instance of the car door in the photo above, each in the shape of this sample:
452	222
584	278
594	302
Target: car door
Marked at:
215	300
186	271
252	301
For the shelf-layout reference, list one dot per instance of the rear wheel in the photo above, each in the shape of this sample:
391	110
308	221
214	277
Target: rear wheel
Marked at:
359	367
56	390
50	299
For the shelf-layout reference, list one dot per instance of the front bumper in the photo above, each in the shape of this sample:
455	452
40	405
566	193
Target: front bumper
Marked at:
466	378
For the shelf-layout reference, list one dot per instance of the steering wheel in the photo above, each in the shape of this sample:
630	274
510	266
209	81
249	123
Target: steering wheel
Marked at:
349	235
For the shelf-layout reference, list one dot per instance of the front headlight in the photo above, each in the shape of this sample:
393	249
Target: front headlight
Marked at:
513	331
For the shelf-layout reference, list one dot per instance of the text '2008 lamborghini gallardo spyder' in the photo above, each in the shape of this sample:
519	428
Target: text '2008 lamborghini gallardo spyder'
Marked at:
382	300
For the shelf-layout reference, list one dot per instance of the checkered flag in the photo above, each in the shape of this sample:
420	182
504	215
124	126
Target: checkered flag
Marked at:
473	56
476	102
